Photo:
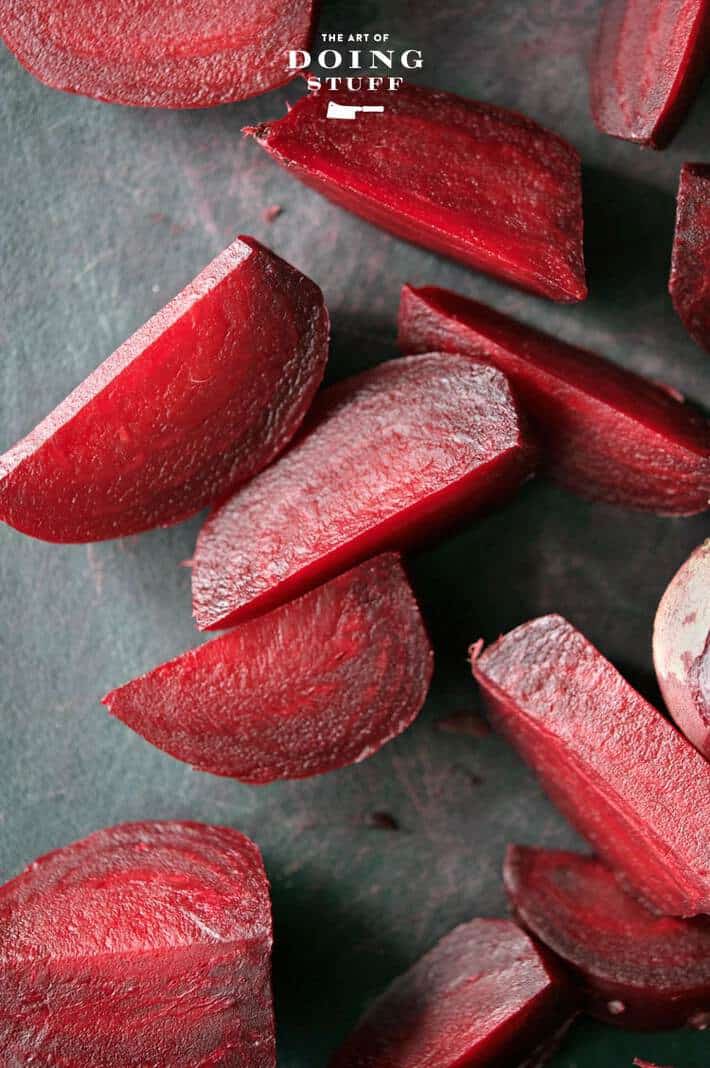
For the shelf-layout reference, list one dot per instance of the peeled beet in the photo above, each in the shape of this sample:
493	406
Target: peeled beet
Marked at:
681	648
195	403
607	433
482	184
648	63
637	969
622	773
689	284
175	54
145	944
387	457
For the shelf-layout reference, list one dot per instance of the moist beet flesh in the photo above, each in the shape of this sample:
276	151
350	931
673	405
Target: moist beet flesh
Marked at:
623	775
648	62
689	283
202	397
316	684
175	54
387	458
144	944
653	970
607	433
479	183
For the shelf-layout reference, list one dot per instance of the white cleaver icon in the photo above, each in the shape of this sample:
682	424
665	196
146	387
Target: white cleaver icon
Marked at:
349	111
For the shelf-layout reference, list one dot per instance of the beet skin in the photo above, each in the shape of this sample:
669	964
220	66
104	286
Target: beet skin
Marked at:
689	283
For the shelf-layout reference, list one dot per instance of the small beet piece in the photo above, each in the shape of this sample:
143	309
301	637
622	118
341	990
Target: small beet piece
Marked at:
657	967
484	995
681	648
316	684
606	432
144	944
689	284
624	776
479	183
648	62
387	456
201	398
177	54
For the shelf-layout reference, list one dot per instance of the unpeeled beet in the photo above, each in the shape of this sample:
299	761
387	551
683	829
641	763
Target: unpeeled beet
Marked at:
689	283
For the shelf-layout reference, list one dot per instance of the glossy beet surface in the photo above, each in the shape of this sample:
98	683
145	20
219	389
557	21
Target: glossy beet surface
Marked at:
145	944
607	433
193	404
616	767
637	969
690	265
648	62
177	54
318	683
482	184
387	457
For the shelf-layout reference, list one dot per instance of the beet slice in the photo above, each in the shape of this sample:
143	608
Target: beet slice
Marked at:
482	184
689	284
648	62
484	995
178	54
316	684
622	773
681	648
607	433
143	944
388	456
637	969
197	401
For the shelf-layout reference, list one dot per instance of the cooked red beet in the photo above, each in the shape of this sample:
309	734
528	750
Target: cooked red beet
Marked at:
607	433
195	403
648	62
479	183
318	683
145	944
689	284
176	54
387	457
657	968
681	648
484	995
621	772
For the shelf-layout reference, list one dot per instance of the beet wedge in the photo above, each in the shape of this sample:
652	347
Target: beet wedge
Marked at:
607	433
648	62
622	773
388	457
681	648
636	969
201	398
144	944
180	54
484	185
689	284
316	684
484	995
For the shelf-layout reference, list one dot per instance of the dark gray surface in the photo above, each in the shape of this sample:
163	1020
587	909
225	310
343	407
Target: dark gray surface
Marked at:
105	214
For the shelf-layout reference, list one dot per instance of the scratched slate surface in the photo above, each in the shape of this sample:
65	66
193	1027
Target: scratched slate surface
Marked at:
106	213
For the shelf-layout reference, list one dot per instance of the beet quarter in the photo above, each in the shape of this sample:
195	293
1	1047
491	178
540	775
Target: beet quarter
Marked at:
387	457
624	776
689	283
195	403
144	944
607	433
487	186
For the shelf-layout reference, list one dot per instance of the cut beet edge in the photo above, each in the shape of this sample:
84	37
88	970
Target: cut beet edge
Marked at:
524	223
689	283
143	944
607	433
623	775
316	684
178	55
388	458
196	402
653	970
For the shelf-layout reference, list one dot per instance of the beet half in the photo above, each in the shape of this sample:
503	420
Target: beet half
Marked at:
689	283
144	944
